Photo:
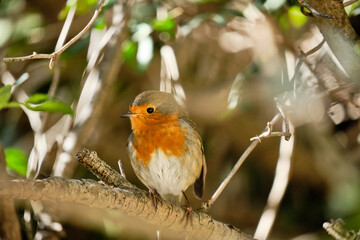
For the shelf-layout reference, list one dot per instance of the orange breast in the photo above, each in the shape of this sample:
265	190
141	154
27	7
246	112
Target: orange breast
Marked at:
163	132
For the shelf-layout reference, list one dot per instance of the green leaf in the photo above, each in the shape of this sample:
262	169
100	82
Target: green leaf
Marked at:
167	25
44	103
16	160
129	50
12	105
100	22
37	98
296	17
5	94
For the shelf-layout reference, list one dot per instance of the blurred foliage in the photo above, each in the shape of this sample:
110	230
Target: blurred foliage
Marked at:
82	7
16	160
165	26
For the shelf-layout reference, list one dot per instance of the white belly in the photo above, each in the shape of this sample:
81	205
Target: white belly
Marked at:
166	174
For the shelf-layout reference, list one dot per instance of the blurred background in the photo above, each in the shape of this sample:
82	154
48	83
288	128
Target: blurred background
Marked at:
227	61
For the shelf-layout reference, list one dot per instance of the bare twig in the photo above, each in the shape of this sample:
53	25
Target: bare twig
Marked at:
336	229
101	169
53	56
315	49
269	133
301	58
313	12
349	2
279	186
247	152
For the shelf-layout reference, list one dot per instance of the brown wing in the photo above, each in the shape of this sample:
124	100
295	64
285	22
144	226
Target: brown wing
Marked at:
199	184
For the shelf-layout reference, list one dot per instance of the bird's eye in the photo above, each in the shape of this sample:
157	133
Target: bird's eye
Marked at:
150	110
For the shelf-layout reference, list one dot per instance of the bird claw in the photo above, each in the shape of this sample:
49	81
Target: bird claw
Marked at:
155	197
188	211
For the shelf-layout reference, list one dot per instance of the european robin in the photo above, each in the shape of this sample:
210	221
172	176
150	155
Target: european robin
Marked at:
165	149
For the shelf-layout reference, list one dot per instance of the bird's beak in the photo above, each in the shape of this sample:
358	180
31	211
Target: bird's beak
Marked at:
128	114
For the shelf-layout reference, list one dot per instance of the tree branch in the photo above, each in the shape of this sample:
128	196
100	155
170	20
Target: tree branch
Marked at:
132	202
9	223
101	169
339	34
53	56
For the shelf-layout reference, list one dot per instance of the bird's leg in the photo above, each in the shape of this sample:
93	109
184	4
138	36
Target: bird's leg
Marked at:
155	197
188	209
187	205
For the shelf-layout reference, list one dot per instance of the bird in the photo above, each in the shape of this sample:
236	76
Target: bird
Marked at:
165	149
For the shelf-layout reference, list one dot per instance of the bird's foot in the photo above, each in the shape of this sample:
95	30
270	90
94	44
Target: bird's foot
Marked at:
188	210
155	197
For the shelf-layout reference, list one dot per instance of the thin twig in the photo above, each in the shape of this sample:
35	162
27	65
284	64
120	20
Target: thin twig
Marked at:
53	56
269	133
312	10
315	49
349	2
279	186
304	55
247	152
301	58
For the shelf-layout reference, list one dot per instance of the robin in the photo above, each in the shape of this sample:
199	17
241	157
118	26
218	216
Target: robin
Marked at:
165	149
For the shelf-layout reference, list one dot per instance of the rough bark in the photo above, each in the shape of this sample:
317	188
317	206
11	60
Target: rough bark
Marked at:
9	223
132	202
339	34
